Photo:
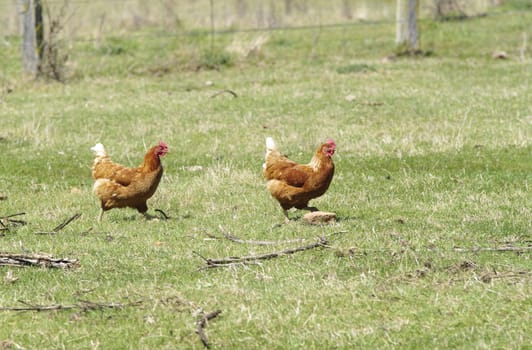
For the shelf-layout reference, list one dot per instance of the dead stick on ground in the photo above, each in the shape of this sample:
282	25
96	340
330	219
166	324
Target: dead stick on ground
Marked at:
83	305
202	323
7	220
225	91
239	240
495	249
9	259
86	231
246	259
12	215
61	226
165	217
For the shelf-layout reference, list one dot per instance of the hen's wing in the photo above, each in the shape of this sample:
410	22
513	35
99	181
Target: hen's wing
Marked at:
292	174
106	169
278	167
110	190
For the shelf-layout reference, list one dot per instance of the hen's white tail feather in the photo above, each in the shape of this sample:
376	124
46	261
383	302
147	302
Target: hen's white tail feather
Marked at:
270	147
270	144
99	150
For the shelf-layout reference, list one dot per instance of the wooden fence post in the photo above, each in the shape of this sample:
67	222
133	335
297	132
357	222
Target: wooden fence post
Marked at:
30	61
32	35
39	29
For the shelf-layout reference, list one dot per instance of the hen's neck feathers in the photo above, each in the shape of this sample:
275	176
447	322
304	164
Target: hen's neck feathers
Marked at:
319	159
151	160
315	163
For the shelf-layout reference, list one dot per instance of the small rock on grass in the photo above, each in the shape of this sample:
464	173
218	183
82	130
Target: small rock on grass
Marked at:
319	217
501	55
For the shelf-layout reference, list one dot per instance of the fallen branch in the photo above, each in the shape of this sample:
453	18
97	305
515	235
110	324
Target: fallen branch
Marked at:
7	221
84	305
242	241
211	263
202	323
61	226
9	259
165	217
494	249
86	232
489	277
225	91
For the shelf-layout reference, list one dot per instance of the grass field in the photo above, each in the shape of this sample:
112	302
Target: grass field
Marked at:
431	189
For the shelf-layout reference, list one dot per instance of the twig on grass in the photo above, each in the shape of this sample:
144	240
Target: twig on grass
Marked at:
12	215
7	221
487	278
202	323
165	217
224	262
83	305
235	239
61	226
225	91
10	259
86	232
494	249
351	251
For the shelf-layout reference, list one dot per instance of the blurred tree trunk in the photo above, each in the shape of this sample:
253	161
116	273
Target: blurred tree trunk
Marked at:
288	7
407	35
346	9
273	21
241	8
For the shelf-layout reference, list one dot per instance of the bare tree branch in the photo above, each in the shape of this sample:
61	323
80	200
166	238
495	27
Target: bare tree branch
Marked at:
165	217
7	221
202	323
235	239
225	91
84	305
224	262
61	226
12	215
494	249
9	259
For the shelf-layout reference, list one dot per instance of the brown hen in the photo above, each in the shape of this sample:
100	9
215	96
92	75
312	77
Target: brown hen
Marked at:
118	186
293	185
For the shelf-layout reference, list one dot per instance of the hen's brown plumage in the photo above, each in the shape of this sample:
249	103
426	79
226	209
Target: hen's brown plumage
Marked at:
293	184
119	187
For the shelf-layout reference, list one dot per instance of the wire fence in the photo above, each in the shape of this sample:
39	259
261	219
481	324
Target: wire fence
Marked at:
92	28
88	18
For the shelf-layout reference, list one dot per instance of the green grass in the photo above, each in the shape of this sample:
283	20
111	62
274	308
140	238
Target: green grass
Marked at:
433	154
